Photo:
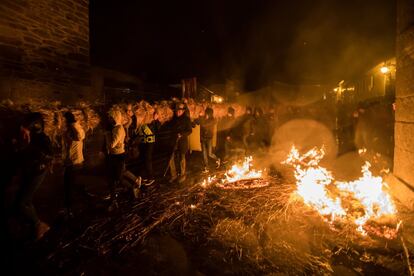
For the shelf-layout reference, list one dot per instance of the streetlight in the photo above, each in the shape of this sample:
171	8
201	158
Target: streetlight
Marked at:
217	99
385	69
388	70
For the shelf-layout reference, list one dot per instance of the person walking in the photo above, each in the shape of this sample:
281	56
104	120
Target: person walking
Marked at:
115	139
247	128
226	135
74	160
207	124
146	135
181	124
35	160
260	132
131	151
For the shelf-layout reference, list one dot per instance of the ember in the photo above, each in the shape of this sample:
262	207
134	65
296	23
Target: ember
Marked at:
366	198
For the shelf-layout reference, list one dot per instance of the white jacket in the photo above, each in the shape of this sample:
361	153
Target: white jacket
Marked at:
75	145
115	140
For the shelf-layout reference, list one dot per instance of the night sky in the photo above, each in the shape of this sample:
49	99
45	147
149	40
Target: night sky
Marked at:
257	42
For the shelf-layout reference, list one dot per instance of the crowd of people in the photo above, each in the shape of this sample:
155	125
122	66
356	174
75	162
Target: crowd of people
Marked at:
130	138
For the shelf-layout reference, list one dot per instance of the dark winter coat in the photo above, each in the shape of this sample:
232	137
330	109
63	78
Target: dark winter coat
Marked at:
37	155
182	125
206	127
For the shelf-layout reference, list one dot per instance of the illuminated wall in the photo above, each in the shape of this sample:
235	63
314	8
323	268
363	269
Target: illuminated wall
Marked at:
404	116
44	50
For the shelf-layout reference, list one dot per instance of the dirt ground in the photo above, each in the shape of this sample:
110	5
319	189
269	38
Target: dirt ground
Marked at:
25	256
163	253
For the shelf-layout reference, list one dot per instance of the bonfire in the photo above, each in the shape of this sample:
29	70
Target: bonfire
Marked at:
241	175
361	202
258	231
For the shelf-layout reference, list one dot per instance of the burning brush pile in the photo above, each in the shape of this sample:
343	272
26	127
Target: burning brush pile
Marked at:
240	176
245	221
363	202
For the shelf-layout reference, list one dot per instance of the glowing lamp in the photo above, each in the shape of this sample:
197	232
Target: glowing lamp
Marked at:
217	99
384	69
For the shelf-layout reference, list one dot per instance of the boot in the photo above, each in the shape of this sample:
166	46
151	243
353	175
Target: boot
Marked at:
181	179
218	163
148	182
113	206
173	179
136	189
68	214
41	229
114	203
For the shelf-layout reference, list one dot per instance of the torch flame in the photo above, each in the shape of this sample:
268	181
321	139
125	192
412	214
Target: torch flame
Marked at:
313	182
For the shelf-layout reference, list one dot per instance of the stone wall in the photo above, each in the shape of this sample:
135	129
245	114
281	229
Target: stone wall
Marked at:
404	116
44	50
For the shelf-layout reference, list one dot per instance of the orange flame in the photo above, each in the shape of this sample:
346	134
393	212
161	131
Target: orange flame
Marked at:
240	176
207	182
313	182
242	172
369	190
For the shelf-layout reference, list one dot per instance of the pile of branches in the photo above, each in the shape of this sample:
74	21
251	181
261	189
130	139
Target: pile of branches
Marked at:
89	119
55	127
265	229
53	116
165	109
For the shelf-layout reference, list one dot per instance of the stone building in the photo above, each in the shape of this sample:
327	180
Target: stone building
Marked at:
44	50
404	114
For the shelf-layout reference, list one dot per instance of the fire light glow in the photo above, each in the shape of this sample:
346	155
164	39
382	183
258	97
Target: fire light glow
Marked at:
242	172
384	69
241	175
319	190
207	182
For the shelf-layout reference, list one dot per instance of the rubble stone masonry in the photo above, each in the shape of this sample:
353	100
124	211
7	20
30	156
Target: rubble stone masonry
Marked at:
404	116
44	50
